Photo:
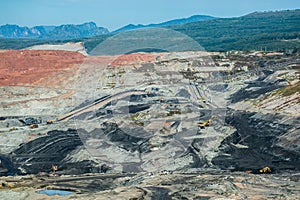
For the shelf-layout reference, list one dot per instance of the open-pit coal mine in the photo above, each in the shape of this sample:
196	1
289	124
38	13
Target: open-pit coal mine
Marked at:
126	133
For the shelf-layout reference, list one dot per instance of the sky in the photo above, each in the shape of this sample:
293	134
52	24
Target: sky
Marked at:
113	14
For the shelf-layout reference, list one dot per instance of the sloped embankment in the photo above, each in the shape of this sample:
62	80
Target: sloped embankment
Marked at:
259	142
33	67
39	155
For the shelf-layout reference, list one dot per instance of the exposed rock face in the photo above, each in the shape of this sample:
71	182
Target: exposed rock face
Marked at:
33	67
134	130
37	80
255	89
134	59
14	31
39	155
206	184
68	31
146	112
256	143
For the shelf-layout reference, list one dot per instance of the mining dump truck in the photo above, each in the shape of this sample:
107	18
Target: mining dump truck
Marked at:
202	125
34	126
202	99
206	123
13	129
51	121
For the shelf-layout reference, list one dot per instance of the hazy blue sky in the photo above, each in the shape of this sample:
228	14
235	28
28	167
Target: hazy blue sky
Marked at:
116	13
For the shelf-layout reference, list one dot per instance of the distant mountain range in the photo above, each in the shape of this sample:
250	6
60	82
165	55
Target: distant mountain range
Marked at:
271	31
68	31
71	31
194	18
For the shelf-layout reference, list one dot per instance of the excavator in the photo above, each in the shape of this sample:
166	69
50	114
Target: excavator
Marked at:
265	170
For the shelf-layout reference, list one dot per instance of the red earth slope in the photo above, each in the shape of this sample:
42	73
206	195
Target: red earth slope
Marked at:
31	67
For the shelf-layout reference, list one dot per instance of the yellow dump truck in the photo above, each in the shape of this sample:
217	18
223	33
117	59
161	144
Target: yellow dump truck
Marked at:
13	129
205	123
51	121
34	126
201	99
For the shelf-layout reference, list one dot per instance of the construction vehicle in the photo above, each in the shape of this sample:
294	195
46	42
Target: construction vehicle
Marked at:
13	129
139	123
10	185
202	99
34	126
174	111
265	170
166	172
111	84
51	121
204	124
7	185
54	168
194	83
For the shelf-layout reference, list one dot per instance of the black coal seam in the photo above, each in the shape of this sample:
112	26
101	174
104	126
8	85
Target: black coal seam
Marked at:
254	133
